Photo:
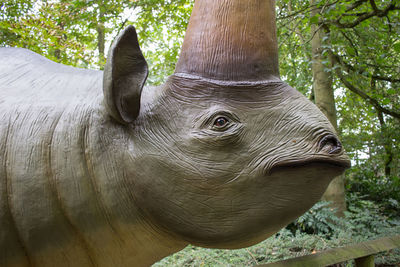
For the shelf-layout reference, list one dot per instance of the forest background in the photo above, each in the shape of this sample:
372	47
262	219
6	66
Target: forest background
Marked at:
343	55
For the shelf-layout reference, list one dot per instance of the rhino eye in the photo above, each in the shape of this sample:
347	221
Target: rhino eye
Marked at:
221	122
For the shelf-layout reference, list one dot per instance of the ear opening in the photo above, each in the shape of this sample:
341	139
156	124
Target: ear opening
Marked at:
124	76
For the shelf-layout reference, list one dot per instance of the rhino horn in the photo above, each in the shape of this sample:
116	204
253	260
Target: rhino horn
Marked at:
124	76
231	40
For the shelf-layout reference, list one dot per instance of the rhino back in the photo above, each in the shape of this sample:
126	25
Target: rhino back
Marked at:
27	77
51	211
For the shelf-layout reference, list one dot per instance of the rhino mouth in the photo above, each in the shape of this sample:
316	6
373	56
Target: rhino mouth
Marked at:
339	164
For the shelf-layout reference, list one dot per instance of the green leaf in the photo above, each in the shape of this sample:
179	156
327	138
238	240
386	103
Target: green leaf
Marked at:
351	51
396	47
314	19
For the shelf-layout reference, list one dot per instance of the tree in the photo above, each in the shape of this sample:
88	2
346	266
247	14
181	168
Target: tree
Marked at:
361	47
79	32
324	97
366	60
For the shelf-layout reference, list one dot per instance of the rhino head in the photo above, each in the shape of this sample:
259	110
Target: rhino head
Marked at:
225	153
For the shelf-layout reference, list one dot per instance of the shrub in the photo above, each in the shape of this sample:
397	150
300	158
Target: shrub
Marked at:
319	220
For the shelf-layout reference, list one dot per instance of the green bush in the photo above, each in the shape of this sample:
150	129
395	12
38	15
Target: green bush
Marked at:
367	218
383	190
319	220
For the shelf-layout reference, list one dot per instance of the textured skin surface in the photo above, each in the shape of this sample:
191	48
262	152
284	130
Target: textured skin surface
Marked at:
36	119
114	174
65	200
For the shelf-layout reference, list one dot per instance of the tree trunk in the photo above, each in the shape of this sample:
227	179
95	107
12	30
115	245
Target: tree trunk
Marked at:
57	51
101	38
325	100
387	144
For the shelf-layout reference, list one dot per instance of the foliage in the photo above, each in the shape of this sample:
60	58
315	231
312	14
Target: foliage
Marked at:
63	31
386	193
74	32
319	220
294	36
364	52
367	218
364	218
161	26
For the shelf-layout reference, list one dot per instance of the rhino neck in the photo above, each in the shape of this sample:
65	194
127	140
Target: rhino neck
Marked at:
112	226
231	40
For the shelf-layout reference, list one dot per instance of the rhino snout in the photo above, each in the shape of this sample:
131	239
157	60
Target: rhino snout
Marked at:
330	144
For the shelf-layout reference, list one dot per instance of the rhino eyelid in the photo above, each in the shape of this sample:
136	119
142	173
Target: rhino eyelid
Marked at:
232	120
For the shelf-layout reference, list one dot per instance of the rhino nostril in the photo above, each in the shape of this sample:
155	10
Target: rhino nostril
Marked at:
330	144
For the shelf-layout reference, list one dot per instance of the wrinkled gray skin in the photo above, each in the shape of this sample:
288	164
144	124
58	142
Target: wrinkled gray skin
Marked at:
93	180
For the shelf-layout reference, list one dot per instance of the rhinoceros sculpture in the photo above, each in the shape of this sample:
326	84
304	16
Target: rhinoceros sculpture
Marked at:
222	155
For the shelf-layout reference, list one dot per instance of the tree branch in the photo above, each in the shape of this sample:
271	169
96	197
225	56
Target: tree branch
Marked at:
365	96
308	8
383	78
355	5
373	4
375	12
350	41
339	60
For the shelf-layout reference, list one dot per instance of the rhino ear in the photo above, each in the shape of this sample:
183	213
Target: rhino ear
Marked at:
124	75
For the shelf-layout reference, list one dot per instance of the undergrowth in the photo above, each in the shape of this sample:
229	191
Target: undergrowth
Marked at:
318	229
